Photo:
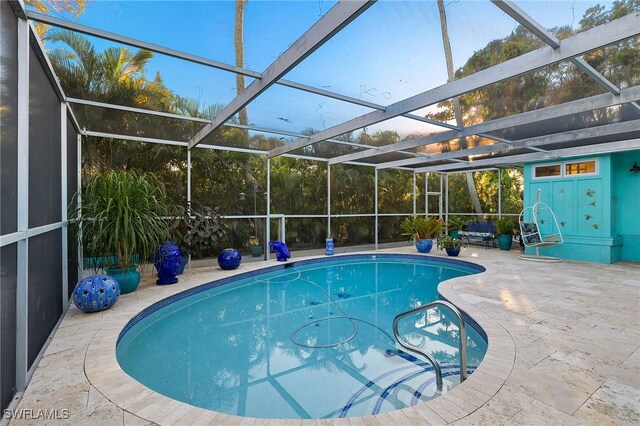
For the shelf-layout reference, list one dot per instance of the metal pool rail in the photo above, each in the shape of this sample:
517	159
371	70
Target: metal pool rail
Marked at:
436	365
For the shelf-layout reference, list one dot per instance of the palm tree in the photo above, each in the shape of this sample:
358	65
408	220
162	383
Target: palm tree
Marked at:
473	193
238	42
115	75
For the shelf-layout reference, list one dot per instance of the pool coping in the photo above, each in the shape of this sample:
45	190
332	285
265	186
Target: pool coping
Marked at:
104	373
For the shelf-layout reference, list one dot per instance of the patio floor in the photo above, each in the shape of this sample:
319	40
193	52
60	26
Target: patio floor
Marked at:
564	348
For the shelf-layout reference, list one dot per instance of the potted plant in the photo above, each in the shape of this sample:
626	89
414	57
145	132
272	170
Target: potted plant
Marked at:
121	218
504	229
455	224
254	247
196	234
422	230
451	245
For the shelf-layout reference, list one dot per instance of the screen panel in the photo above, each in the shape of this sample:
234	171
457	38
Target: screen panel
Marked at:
44	148
8	119
168	163
8	285
352	189
236	182
45	289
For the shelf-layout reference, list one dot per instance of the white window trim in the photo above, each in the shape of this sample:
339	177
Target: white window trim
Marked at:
586	160
563	167
534	177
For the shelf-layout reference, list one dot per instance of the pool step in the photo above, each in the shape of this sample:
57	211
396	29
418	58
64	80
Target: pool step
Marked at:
405	385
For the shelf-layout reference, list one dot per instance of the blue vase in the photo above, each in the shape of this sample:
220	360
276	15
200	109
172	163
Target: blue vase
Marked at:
167	262
452	252
229	259
96	293
424	246
330	247
128	278
184	259
505	241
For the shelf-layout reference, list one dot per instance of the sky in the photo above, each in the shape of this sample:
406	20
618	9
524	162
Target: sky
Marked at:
392	51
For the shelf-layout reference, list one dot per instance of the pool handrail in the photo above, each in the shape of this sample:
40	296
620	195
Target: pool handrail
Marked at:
436	365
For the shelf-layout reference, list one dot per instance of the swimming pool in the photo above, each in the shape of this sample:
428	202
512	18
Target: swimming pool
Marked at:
311	339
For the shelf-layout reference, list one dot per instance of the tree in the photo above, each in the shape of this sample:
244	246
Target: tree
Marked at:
74	7
456	103
238	43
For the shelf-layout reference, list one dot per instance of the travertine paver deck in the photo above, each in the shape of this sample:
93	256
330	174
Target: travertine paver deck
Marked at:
564	348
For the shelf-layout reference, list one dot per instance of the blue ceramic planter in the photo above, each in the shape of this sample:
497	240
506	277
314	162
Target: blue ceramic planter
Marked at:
505	241
229	259
184	259
167	262
128	278
452	252
96	293
424	246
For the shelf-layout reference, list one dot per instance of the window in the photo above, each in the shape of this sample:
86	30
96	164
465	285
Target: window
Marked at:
548	170
580	168
566	169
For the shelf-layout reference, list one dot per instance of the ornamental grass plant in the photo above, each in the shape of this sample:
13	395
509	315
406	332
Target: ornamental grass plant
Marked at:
121	217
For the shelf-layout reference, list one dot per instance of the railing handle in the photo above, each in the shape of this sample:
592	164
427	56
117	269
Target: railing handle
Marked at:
462	344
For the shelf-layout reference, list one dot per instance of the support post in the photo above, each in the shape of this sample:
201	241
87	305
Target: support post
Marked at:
188	176
267	225
64	216
446	200
79	201
499	194
22	292
426	194
415	193
375	206
329	201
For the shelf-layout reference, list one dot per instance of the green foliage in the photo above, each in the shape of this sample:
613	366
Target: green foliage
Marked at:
505	225
198	234
421	228
558	83
121	215
446	242
456	223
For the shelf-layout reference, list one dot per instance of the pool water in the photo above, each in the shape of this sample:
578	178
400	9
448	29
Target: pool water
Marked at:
309	341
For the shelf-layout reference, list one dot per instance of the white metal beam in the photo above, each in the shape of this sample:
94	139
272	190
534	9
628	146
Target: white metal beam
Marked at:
64	205
570	136
604	100
22	211
84	29
207	146
511	9
627	145
611	32
326	27
196	119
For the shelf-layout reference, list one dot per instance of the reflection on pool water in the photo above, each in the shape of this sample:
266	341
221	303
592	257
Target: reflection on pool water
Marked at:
310	341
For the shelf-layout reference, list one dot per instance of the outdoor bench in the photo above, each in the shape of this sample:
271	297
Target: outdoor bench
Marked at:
479	232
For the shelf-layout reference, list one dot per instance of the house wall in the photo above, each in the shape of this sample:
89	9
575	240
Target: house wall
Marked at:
598	215
627	193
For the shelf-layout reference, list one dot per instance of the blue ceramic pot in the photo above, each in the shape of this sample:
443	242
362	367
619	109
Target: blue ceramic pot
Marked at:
452	252
330	246
505	241
128	278
229	259
167	262
184	259
424	246
96	293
